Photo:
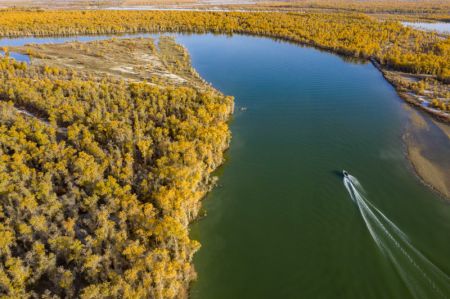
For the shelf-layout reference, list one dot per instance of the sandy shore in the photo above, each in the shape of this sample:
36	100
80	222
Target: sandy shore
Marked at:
428	149
444	127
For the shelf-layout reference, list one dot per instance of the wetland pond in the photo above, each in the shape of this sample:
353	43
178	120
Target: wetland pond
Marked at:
439	27
283	222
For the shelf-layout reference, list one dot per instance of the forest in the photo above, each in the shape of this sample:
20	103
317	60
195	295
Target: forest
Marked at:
375	6
420	8
99	179
354	34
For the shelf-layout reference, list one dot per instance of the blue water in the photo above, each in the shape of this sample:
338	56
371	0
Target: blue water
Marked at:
438	27
17	56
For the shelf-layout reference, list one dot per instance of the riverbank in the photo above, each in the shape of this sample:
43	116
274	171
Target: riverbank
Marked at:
428	147
424	92
116	141
420	90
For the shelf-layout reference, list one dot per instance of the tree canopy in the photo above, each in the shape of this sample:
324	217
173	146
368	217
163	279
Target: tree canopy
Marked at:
99	179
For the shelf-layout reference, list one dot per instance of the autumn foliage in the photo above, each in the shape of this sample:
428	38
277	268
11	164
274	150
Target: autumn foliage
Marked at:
359	35
99	179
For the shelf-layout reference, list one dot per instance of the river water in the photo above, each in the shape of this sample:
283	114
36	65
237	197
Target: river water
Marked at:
439	27
282	223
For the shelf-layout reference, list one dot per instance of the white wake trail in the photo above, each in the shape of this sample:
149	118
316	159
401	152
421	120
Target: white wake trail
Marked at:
423	278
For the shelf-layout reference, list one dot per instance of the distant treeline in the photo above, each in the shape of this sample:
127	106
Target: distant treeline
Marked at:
392	44
371	6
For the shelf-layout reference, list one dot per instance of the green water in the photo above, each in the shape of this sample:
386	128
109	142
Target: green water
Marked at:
281	224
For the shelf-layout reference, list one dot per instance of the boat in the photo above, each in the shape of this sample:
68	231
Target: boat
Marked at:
345	173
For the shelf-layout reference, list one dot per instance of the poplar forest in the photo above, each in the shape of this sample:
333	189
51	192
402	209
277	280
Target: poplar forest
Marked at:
99	185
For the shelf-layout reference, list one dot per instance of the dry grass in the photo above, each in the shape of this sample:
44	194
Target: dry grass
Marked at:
375	5
156	2
129	59
90	3
403	10
59	4
427	7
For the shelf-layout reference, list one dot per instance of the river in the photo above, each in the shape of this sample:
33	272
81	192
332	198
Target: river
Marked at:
281	223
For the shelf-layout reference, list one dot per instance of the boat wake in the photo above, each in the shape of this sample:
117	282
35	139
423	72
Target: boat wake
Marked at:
421	276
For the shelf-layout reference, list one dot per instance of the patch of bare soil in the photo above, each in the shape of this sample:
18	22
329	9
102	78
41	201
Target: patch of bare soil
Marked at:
428	146
428	171
136	59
